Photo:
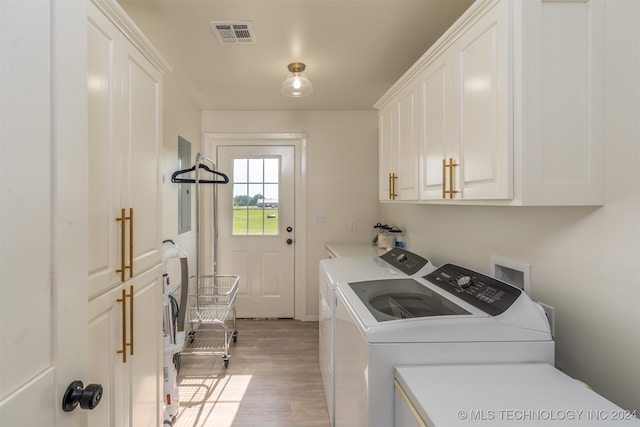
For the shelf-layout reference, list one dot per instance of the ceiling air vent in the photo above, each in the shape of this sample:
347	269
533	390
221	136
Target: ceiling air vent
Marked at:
233	32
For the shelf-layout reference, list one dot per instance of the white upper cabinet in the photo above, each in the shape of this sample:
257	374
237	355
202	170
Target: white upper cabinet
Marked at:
438	140
407	110
509	106
399	147
481	60
387	151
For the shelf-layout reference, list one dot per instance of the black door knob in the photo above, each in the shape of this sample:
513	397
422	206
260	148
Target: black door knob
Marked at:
289	229
289	241
88	397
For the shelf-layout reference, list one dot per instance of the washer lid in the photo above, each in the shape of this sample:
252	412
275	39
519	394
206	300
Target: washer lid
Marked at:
394	299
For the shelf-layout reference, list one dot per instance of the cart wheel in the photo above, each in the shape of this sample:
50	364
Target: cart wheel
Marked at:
235	336
226	363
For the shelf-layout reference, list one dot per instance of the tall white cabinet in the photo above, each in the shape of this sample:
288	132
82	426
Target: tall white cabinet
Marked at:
508	107
125	222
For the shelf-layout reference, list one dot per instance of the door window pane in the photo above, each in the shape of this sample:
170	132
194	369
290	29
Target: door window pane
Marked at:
255	196
240	170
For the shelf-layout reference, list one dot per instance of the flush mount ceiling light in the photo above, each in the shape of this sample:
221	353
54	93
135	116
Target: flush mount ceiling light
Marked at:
296	85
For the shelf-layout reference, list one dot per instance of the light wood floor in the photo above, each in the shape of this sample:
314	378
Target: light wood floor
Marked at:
273	379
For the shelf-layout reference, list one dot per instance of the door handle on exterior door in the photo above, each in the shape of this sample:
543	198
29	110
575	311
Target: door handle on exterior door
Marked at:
289	230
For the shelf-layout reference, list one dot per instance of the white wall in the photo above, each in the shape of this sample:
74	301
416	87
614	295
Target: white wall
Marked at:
180	117
342	170
584	261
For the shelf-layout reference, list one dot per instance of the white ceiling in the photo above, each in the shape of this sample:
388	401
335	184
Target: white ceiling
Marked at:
354	49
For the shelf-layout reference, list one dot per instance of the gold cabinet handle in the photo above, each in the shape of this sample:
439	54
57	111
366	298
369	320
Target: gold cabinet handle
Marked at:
392	186
125	344
131	244
131	305
450	165
123	265
123	301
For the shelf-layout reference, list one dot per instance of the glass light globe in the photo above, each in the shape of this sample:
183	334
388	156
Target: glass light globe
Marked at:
297	84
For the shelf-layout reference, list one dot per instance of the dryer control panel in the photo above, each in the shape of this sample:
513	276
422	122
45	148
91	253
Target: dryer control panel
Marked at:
483	292
404	260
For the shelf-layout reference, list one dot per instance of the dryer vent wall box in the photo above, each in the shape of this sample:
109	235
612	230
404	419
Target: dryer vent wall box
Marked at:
513	272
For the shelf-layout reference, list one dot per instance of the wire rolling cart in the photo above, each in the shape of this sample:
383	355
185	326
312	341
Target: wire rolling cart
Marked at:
208	307
211	316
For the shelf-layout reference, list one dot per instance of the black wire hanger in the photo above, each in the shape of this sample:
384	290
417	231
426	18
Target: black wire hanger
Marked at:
174	176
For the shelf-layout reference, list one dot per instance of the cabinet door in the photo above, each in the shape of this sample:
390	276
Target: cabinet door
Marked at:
387	148
406	167
145	366
437	138
142	109
104	141
106	366
483	88
132	387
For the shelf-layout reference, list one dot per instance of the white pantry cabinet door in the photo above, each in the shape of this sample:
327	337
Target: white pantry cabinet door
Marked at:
124	156
105	339
145	365
125	112
132	382
105	151
141	115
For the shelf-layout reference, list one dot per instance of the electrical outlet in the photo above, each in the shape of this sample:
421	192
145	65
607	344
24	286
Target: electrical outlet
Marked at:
551	317
353	225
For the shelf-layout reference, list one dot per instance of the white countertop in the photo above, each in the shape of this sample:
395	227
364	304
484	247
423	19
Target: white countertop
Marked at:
354	249
514	395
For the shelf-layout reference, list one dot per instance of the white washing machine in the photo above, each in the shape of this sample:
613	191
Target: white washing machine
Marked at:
396	263
450	316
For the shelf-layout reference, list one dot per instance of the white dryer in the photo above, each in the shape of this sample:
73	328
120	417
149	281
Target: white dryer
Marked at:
450	316
500	395
396	263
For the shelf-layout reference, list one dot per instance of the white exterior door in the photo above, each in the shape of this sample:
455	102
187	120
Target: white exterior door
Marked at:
43	210
256	227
